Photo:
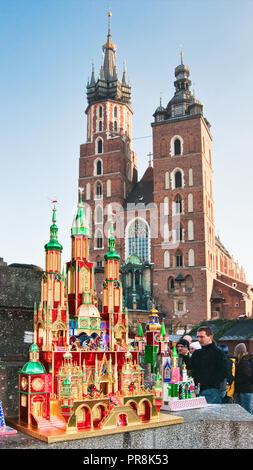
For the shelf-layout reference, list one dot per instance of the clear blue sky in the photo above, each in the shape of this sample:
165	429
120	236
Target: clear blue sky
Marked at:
46	50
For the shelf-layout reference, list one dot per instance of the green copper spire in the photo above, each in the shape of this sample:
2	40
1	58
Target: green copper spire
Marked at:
111	254
174	351
140	331
79	226
163	331
53	243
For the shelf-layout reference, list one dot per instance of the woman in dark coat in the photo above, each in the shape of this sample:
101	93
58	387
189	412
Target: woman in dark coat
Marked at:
243	377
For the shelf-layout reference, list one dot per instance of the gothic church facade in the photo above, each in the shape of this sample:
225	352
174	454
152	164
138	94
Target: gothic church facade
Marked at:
165	227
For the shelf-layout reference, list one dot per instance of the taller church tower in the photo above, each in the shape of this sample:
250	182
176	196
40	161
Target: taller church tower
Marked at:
185	249
107	166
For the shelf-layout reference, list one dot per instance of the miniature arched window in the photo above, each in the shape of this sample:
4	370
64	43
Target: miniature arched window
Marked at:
179	259
88	191
177	147
98	215
178	204
190	202
99	146
98	239
191	261
108	188
171	284
100	111
188	284
166	259
98	190
178	179
190	230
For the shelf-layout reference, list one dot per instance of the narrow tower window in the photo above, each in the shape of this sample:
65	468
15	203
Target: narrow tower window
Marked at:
178	180
100	111
99	167
177	147
100	146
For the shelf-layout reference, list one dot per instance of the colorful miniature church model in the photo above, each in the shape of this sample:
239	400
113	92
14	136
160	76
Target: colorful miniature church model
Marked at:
81	376
179	392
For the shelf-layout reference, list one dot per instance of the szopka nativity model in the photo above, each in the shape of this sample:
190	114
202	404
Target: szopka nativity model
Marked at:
81	377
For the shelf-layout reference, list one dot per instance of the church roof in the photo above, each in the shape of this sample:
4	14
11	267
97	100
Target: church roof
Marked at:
142	192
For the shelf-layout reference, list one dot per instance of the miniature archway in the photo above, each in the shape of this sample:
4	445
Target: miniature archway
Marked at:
133	405
83	417
145	410
98	413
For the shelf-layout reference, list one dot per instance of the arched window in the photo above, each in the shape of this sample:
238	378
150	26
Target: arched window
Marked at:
178	179
108	188
99	262
190	177
190	230
179	232
138	239
167	180
188	284
178	204
98	167
190	203
191	261
115	127
88	192
99	146
100	111
179	259
98	215
98	190
166	206
98	239
115	112
177	147
166	259
171	284
100	126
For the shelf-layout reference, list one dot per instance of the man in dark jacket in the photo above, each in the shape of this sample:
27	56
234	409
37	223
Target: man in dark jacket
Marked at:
208	366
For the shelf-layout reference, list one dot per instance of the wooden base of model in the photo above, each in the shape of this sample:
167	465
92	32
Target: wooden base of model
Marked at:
120	420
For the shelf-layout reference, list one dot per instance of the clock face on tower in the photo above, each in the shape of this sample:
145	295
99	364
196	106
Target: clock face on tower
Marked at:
37	384
24	383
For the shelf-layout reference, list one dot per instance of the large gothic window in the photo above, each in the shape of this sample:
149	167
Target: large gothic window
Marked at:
138	239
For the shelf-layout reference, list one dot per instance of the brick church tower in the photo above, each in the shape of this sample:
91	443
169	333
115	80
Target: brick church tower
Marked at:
107	166
182	164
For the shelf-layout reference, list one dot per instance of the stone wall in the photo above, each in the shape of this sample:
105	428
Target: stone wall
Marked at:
20	286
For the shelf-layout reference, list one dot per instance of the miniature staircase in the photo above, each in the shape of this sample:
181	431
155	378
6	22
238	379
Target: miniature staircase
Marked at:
57	422
43	423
